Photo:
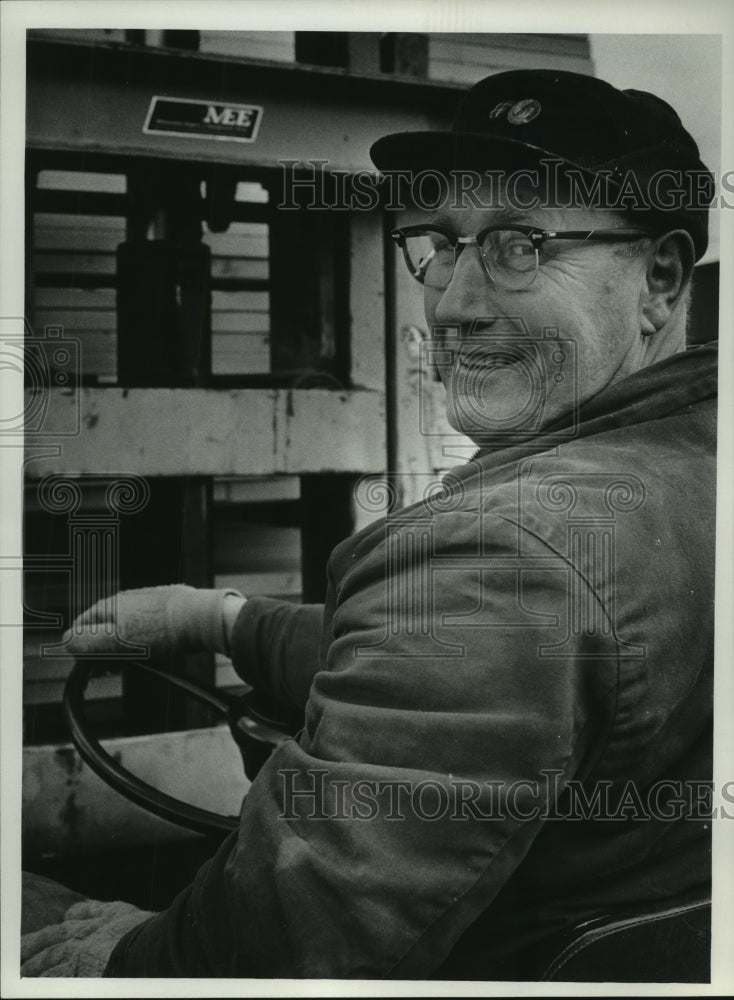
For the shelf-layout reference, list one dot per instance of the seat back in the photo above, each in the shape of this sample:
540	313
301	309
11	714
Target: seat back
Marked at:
669	944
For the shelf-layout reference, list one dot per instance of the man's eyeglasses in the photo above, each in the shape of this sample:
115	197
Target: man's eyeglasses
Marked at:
509	254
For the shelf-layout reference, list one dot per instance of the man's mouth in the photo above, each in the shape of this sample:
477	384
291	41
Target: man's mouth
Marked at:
486	359
501	343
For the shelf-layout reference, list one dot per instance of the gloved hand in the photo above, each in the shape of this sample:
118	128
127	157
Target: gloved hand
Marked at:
82	943
168	620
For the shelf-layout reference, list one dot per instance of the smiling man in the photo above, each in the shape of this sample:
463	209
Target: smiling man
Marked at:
608	284
508	694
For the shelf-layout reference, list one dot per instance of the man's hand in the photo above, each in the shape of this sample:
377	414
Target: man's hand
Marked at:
81	944
173	620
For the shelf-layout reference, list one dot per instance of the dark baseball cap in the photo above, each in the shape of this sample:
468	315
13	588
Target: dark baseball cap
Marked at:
633	139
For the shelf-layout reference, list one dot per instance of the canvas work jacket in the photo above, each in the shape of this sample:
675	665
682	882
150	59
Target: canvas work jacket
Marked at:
508	714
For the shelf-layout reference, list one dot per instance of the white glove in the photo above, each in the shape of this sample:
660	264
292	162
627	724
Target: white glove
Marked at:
168	620
82	943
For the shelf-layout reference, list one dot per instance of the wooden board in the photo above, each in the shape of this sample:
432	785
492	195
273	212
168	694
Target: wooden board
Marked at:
186	432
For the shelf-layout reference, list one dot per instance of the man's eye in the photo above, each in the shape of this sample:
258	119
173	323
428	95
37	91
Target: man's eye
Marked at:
511	244
519	248
444	253
439	242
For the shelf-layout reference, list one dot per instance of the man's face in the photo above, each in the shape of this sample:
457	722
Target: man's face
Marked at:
508	374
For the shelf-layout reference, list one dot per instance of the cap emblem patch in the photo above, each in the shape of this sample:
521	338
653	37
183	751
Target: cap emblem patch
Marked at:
523	112
518	112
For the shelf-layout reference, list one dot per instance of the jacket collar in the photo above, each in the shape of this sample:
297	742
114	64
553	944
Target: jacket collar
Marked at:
652	393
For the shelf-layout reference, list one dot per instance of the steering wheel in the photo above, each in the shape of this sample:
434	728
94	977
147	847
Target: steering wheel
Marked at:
255	728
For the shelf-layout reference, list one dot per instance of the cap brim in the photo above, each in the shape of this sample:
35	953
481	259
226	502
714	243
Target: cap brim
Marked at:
447	151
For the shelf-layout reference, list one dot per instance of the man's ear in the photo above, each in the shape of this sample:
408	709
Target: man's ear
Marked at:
668	274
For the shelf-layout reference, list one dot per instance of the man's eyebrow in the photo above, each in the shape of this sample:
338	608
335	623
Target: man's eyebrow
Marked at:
510	216
438	217
500	217
513	215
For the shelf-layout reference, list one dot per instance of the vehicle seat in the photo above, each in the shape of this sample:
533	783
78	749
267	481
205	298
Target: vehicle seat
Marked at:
667	944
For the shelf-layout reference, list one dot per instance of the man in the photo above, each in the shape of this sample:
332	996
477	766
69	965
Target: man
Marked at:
508	693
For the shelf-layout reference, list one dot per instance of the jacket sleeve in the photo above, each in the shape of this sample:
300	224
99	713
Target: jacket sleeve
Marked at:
275	647
454	705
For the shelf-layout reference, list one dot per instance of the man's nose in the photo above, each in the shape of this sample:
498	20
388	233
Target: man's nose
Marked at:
470	292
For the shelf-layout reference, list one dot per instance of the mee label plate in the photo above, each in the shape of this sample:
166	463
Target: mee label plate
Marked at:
203	119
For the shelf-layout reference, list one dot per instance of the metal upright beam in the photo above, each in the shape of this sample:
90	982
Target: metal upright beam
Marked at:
164	338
